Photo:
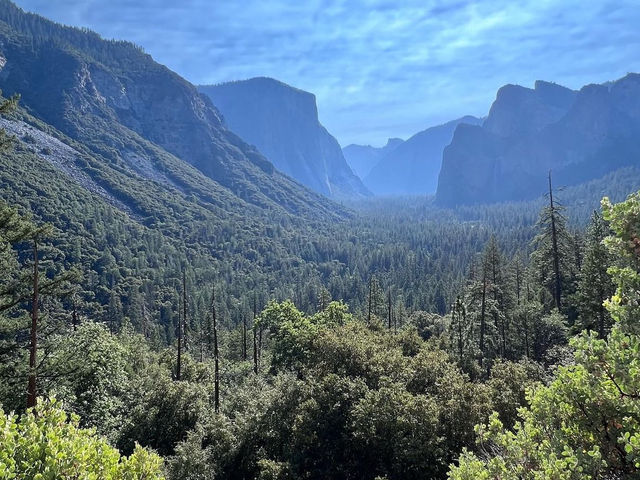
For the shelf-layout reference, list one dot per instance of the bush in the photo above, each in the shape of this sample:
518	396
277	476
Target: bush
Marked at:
46	443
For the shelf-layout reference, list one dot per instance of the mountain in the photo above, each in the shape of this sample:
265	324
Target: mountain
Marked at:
362	158
122	105
141	177
282	122
579	135
413	167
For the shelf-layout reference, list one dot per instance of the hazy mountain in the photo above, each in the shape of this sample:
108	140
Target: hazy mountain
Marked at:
282	122
413	166
578	135
362	158
135	113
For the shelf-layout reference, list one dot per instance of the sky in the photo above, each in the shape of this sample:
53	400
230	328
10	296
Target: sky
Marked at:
378	68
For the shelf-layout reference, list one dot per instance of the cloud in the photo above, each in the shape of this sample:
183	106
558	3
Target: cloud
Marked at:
378	68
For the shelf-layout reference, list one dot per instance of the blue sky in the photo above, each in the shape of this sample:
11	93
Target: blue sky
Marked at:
379	68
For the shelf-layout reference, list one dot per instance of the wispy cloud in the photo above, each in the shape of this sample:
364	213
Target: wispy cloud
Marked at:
379	68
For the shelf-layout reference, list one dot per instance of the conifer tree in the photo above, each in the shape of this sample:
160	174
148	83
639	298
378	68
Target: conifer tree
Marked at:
244	336
216	368
595	284
553	255
460	328
179	359
32	390
324	299
255	337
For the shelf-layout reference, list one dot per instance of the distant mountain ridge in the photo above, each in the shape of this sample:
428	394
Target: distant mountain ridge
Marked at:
412	167
282	122
362	158
579	135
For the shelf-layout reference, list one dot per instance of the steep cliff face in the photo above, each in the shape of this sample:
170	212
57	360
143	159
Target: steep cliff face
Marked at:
578	135
282	122
412	168
362	158
519	111
116	100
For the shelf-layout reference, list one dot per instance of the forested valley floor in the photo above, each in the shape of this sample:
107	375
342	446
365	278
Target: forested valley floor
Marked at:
402	342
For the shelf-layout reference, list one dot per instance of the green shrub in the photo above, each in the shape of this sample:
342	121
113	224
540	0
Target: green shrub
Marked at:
45	443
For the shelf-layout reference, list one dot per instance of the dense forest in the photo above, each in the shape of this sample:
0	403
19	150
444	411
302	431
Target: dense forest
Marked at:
413	342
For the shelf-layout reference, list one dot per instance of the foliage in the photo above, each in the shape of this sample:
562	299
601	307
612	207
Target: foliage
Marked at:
586	423
46	443
594	284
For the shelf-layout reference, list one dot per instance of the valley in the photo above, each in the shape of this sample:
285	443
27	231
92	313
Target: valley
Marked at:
198	282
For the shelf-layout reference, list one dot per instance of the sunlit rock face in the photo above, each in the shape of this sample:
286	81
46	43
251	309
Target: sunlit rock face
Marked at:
282	122
578	135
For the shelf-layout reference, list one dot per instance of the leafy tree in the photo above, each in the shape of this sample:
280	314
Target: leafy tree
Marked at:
396	434
586	423
46	443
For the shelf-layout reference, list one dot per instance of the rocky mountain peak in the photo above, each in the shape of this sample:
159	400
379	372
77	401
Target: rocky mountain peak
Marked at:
282	122
579	135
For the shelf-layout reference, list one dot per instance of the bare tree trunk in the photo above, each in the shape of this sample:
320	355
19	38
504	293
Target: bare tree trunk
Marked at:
370	293
460	336
179	362
74	314
518	282
601	316
389	313
32	389
145	327
255	340
216	401
260	346
184	307
554	244
526	334
244	337
483	310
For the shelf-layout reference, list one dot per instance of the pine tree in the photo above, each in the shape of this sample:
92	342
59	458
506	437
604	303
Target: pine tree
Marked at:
493	263
376	303
324	299
477	302
244	336
255	336
553	255
180	331
32	390
594	284
216	371
461	330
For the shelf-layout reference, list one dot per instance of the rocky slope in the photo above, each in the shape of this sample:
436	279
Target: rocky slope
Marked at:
579	135
115	100
362	158
282	122
413	167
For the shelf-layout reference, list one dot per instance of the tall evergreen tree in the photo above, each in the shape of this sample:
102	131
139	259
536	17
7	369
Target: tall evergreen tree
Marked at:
553	256
216	368
461	328
595	284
